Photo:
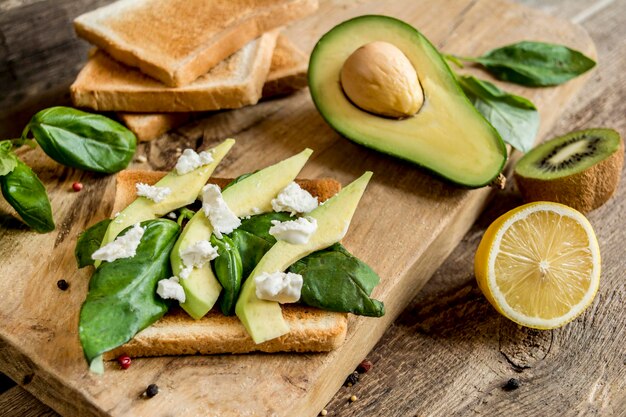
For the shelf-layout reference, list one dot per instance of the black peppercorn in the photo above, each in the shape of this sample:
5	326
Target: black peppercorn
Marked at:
62	284
352	379
152	390
512	384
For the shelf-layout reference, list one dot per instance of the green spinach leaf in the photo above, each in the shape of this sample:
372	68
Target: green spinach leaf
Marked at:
239	178
534	64
89	241
251	249
335	280
24	191
228	270
82	140
122	297
514	117
260	224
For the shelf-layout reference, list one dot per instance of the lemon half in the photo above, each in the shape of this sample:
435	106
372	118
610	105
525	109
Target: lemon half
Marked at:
539	264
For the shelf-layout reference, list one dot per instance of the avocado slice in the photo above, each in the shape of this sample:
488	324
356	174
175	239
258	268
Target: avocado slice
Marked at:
263	319
185	189
447	136
251	195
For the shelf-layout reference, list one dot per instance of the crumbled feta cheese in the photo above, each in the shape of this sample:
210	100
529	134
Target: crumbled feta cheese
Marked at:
283	287
198	254
215	208
170	288
185	272
294	200
156	194
191	160
172	215
124	246
297	231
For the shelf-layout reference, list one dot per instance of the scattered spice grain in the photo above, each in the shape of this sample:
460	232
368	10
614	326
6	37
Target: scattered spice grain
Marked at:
124	361
152	390
364	366
512	384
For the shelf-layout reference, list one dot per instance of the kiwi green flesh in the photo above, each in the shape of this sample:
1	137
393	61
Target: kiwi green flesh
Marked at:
569	154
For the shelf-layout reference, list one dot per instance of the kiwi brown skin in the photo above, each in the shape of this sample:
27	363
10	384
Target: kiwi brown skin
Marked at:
584	191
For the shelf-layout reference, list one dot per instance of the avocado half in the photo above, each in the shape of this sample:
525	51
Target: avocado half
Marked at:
448	136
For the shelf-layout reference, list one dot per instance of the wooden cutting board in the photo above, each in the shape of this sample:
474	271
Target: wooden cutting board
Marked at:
405	227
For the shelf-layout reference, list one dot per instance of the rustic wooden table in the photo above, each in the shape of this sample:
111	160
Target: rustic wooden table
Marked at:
449	353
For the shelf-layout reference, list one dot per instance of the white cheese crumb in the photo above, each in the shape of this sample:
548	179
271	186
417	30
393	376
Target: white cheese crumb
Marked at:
283	287
294	200
122	247
198	254
216	210
185	272
170	288
191	160
297	232
172	215
156	194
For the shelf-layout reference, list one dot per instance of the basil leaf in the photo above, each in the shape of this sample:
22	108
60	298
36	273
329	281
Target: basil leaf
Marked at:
228	270
251	249
515	118
89	241
8	160
535	64
83	140
24	191
335	280
122	297
260	224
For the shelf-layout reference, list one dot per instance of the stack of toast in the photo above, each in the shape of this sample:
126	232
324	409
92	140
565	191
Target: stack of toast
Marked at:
159	63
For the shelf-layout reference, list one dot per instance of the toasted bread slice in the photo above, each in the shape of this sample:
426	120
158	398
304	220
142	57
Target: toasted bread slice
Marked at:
311	329
105	84
287	74
177	41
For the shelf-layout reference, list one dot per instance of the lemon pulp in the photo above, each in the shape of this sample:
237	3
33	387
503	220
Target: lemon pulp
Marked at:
539	265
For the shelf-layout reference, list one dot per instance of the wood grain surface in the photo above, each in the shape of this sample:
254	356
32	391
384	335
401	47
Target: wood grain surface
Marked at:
449	352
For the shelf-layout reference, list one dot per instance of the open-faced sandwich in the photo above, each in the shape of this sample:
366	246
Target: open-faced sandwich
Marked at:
254	265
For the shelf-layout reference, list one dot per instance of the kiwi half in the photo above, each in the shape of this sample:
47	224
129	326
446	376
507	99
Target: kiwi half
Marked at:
581	169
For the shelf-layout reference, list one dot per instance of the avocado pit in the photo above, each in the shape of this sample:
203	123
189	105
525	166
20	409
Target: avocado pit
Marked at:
380	79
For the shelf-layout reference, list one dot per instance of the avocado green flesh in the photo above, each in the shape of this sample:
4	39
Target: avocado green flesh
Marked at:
184	190
447	136
583	148
263	319
252	195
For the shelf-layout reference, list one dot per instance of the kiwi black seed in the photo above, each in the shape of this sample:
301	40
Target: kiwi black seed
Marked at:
581	169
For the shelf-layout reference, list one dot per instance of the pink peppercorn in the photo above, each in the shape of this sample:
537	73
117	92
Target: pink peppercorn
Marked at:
124	361
77	186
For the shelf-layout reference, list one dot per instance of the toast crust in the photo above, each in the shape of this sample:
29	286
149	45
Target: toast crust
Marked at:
106	85
142	33
287	74
311	329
